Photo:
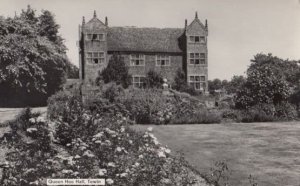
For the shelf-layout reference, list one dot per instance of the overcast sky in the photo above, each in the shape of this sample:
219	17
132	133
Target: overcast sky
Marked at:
238	29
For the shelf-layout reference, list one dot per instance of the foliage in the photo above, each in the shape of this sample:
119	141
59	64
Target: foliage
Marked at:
154	80
232	115
202	116
92	145
259	113
180	83
57	104
214	85
266	83
112	91
116	71
32	66
235	84
72	71
286	111
219	174
144	105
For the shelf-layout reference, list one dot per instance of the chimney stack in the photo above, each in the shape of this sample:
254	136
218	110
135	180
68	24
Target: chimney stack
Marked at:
83	21
196	15
106	21
95	15
185	24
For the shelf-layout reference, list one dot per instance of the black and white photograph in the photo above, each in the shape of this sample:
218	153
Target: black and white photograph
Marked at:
150	92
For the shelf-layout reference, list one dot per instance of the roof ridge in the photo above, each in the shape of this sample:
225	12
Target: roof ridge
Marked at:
144	27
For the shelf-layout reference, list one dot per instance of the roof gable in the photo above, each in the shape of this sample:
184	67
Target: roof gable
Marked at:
196	27
94	24
144	39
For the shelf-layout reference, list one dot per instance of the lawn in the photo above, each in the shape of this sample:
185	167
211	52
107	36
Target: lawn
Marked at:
268	151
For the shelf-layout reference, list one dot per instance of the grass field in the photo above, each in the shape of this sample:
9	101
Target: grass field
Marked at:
268	151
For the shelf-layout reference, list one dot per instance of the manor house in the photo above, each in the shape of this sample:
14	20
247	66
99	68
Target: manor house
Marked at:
164	50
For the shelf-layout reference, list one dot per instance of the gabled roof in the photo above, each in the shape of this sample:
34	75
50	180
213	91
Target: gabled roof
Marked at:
94	23
144	39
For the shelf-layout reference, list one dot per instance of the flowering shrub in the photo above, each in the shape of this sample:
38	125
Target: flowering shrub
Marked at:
88	144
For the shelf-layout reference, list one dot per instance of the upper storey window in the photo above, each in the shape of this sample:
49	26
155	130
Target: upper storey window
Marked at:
96	37
197	58
197	39
137	60
162	60
95	57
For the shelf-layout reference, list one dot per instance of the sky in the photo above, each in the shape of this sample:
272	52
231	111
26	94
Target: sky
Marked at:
238	29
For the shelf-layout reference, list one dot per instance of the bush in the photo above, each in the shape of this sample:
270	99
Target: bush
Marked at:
57	104
116	71
286	111
144	105
259	113
180	83
202	116
154	80
232	115
94	145
112	91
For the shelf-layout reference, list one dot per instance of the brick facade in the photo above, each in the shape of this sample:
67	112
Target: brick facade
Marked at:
184	48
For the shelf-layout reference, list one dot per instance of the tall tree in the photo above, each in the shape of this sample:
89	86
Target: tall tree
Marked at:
266	82
116	71
32	67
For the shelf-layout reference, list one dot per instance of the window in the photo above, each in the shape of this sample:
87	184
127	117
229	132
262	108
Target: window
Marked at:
98	37
197	39
95	57
197	58
198	82
139	81
162	60
137	60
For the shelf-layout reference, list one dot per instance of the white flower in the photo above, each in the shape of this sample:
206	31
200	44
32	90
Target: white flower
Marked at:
130	141
102	172
136	164
149	129
118	149
168	151
141	156
66	171
77	156
89	154
122	129
34	183
161	154
98	135
31	130
98	141
111	164
40	119
32	120
124	174
109	181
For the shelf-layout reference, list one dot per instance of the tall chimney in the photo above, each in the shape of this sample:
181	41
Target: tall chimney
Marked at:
83	21
106	21
95	15
196	15
185	24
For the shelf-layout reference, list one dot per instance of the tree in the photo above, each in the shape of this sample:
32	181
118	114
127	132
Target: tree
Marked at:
235	84
154	80
116	71
180	83
31	66
179	80
214	85
266	83
72	71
